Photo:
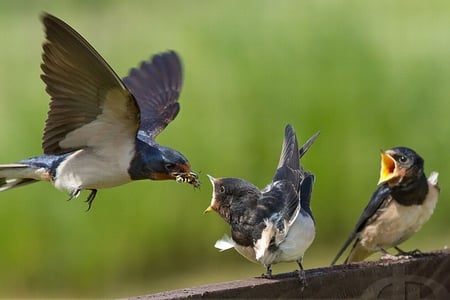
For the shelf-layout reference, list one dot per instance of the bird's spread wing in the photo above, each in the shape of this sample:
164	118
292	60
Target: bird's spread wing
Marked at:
88	100
156	86
379	199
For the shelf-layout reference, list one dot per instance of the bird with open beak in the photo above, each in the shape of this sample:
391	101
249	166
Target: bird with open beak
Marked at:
274	224
404	200
100	131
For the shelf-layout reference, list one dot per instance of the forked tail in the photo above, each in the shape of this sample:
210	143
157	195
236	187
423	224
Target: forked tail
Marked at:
16	175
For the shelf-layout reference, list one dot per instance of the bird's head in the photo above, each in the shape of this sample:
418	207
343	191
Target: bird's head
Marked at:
400	164
162	163
229	194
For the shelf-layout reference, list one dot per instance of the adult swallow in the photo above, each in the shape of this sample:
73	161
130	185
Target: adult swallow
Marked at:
274	224
100	131
402	203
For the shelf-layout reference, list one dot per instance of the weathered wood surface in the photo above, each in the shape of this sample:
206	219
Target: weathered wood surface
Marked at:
423	277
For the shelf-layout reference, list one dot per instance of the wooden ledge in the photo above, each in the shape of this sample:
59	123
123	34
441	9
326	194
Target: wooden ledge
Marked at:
424	276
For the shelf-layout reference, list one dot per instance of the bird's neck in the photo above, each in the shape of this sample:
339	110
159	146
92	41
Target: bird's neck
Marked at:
139	166
411	192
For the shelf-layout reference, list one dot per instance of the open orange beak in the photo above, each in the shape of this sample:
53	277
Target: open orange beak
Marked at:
388	167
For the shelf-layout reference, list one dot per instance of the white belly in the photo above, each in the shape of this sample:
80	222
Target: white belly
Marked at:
86	169
398	223
299	237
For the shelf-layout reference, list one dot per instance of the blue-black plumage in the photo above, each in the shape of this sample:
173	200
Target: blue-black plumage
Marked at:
274	224
100	131
401	204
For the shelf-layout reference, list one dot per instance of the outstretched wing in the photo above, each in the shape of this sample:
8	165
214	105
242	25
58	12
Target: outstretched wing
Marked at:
156	86
89	103
378	200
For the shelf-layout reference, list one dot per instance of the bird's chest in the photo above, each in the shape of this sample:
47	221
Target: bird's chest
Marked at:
88	169
396	223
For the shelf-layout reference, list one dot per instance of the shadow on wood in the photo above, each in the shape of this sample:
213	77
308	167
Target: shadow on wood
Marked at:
424	276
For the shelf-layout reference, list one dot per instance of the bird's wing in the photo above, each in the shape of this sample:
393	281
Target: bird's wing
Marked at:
378	200
289	153
290	169
308	144
306	187
88	100
156	86
282	200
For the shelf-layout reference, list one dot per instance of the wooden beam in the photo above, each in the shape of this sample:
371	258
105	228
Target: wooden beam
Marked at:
423	276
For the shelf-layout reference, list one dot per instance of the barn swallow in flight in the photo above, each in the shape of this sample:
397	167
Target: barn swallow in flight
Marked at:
100	130
274	224
402	203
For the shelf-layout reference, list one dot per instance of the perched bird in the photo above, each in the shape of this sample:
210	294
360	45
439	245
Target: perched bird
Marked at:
100	130
274	224
402	203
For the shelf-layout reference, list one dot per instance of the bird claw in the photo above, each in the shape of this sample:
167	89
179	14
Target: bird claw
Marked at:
415	252
268	274
302	278
74	194
91	198
301	275
191	178
394	257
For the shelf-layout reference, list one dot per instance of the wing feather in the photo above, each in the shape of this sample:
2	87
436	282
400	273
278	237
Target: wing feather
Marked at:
82	87
156	86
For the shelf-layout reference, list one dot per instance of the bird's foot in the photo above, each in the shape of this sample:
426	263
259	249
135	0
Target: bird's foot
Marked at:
415	252
301	275
395	257
388	256
268	274
91	198
74	194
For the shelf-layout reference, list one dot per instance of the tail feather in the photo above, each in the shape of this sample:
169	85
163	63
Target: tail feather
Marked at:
16	175
6	184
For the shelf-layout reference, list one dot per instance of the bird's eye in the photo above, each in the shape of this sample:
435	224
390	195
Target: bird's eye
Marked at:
169	166
402	159
222	189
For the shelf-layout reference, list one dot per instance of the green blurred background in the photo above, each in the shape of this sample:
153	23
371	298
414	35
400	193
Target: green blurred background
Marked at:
367	74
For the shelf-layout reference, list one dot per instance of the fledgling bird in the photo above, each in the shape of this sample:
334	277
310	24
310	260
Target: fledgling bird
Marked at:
274	224
404	200
100	131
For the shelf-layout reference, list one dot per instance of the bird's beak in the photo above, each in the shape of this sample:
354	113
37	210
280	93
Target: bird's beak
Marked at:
212	179
208	209
388	167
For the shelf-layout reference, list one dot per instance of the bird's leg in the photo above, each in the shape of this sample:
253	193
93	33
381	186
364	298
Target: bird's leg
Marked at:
268	273
91	198
74	194
301	273
408	253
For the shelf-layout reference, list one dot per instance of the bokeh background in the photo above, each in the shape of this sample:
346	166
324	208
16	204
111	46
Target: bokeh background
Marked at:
367	74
